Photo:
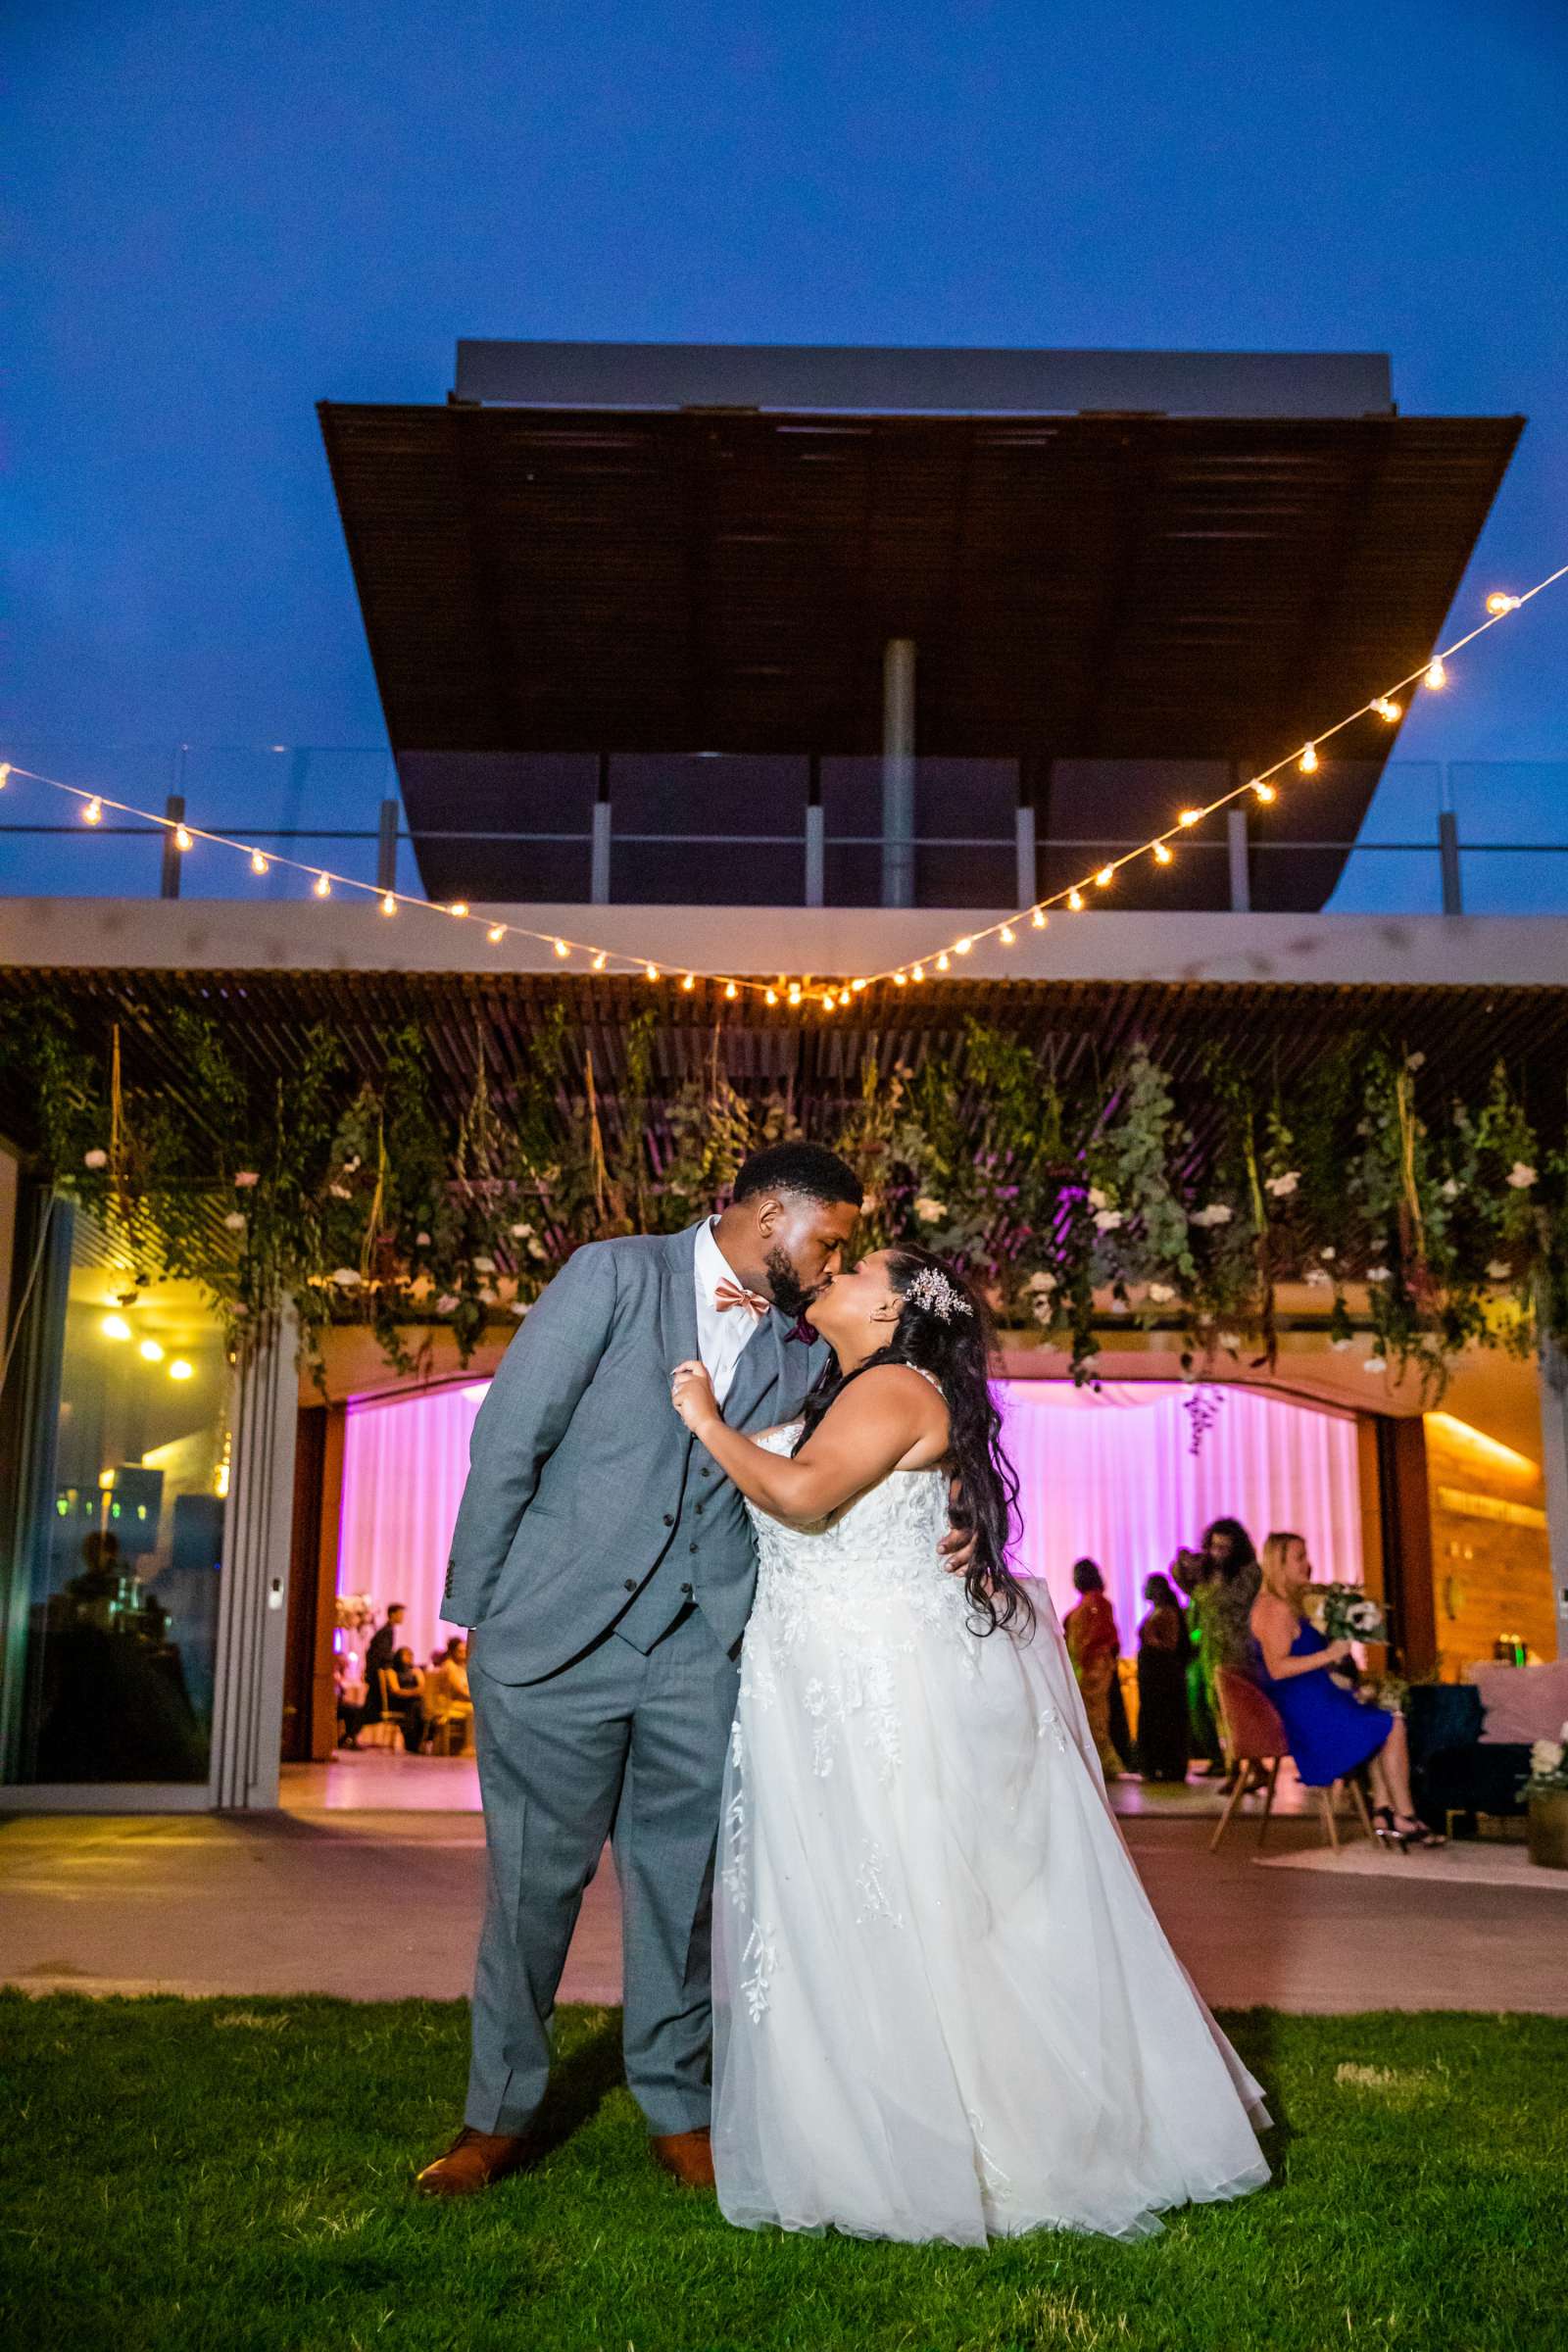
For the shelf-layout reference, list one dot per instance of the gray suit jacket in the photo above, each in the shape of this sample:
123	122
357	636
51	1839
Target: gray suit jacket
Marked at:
583	1485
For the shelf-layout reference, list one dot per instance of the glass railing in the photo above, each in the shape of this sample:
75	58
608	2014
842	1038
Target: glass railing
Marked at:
1474	837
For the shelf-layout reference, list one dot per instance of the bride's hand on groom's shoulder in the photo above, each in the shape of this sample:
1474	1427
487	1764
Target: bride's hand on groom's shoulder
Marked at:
691	1392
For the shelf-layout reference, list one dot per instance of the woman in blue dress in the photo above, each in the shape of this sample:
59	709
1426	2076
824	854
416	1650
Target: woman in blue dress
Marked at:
1331	1732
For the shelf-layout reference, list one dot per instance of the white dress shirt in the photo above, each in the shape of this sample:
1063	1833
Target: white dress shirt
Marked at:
721	1332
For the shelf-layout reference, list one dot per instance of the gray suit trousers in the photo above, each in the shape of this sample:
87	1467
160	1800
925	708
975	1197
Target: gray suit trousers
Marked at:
629	1746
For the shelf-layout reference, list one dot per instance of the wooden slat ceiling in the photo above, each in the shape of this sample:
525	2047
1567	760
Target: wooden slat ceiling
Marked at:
1276	1032
1090	587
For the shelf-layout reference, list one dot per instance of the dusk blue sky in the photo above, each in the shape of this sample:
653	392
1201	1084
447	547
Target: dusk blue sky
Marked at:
219	216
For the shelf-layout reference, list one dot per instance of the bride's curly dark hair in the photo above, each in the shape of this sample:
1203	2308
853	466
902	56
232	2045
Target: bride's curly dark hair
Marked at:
959	1351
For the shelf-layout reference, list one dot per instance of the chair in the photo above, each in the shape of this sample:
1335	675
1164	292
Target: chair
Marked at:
388	1724
446	1727
1256	1735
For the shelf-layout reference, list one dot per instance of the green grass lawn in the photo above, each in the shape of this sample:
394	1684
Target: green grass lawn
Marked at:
188	2175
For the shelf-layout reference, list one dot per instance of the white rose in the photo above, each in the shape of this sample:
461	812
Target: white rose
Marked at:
235	1221
1498	1269
1319	1278
95	1159
1161	1293
537	1249
1340	1345
1230	1338
446	1304
519	1233
245	1179
1547	1756
484	1265
1378	1274
929	1212
1376	1363
1097	1199
422	1241
1521	1176
1414	1061
1282	1187
1329	1252
1218	1212
1448	1188
1108	1220
346	1278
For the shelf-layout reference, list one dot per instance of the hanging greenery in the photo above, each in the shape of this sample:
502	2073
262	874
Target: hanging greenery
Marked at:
1122	1198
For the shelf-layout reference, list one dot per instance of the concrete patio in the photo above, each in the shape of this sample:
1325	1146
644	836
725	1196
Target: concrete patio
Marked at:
335	1895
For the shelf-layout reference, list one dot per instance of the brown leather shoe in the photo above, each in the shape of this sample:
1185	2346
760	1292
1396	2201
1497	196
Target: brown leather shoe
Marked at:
687	2156
475	2160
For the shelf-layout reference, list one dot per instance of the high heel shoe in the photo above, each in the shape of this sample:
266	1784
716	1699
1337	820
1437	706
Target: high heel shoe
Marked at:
1385	1830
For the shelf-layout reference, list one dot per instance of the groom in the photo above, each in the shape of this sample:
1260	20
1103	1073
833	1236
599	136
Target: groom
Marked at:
605	1568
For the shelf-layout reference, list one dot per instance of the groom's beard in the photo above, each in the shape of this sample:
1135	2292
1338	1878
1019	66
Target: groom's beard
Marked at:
789	1295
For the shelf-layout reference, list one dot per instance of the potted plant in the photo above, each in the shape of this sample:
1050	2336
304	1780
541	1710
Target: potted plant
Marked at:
1547	1789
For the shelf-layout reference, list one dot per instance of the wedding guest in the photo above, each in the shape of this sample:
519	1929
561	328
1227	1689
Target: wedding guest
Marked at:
406	1699
1222	1583
348	1715
1163	1649
1331	1732
1095	1648
450	1686
378	1656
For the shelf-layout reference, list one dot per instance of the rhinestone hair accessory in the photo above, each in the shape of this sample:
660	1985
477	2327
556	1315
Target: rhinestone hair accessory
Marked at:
932	1290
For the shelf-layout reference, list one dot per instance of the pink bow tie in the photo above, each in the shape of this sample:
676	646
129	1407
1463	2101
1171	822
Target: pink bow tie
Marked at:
734	1294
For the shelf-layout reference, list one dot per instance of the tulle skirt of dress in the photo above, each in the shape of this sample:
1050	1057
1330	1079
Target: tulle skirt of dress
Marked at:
944	2006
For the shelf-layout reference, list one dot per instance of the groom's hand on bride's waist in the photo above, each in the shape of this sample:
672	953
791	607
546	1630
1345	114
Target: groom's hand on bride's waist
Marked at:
957	1544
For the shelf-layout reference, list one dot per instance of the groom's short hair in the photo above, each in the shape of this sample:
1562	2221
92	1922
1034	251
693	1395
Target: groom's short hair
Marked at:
804	1168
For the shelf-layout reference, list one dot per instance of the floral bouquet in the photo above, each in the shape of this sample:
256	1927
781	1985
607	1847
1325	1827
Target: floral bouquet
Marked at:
1548	1766
1346	1613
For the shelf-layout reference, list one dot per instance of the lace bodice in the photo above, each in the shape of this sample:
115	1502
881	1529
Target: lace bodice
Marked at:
865	1574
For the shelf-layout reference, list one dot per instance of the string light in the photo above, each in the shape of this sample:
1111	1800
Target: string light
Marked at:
181	1370
944	963
689	983
496	934
150	1353
562	949
731	991
1387	707
458	908
794	992
115	1327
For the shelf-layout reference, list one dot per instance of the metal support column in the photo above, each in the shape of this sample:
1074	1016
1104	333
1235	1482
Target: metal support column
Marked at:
1239	864
599	855
898	772
815	834
1554	1471
1448	855
258	1540
386	847
168	878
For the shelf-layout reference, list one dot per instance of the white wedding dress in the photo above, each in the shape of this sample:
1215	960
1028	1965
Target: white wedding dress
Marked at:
943	2005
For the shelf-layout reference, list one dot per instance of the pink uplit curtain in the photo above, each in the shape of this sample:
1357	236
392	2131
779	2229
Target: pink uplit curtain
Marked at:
1114	1477
404	1464
1111	1475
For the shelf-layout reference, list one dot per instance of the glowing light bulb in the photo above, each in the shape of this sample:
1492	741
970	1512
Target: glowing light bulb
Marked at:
182	837
770	996
962	945
651	971
918	972
1499	601
599	960
1007	934
1387	709
259	865
389	905
944	962
794	991
844	995
496	934
1075	901
5	773
181	1370
1106	877
900	980
1263	791
323	886
1437	676
858	985
150	1353
94	814
1039	920
1308	762
561	948
1190	816
1162	852
731	991
829	1001
690	982
115	1327
458	908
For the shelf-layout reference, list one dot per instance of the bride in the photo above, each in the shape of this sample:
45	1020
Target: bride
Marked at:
943	2005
